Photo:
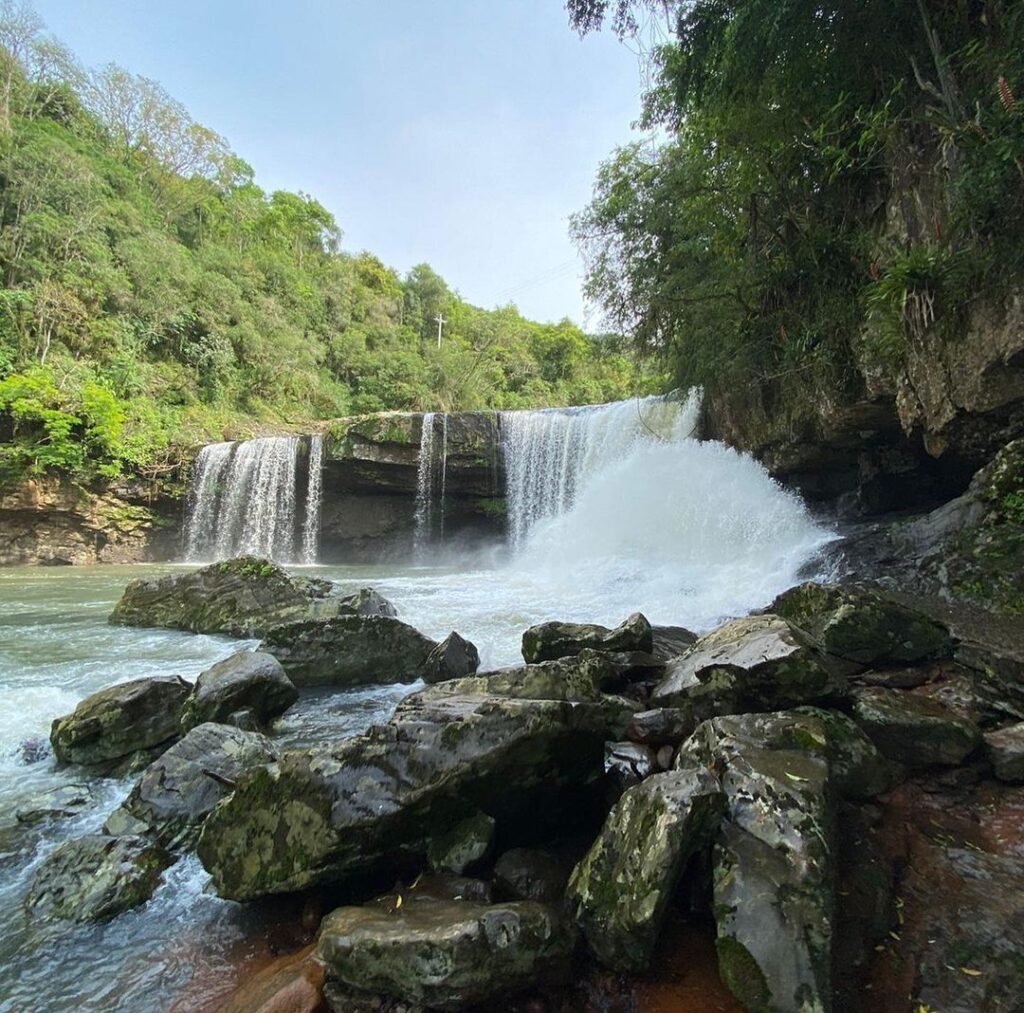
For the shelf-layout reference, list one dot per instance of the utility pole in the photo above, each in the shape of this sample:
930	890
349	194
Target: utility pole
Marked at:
440	323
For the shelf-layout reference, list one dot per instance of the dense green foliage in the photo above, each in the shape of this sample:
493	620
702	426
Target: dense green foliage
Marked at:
153	297
830	180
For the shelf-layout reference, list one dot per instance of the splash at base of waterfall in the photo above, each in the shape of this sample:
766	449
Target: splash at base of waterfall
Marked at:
250	498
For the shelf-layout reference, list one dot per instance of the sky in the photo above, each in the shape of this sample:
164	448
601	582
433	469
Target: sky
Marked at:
460	133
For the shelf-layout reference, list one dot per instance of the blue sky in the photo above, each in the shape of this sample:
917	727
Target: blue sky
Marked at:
462	133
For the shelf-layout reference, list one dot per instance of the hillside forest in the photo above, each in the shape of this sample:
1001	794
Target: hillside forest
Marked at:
153	297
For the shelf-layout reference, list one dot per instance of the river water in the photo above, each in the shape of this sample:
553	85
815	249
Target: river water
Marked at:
689	533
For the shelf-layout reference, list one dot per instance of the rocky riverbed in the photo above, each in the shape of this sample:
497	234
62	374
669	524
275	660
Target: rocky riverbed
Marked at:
831	789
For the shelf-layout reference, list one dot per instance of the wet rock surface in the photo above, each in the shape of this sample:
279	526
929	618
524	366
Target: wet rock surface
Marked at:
620	892
178	790
759	663
94	878
381	797
241	597
59	803
121	720
444	955
553	640
773	857
251	681
913	729
1005	749
863	626
349	651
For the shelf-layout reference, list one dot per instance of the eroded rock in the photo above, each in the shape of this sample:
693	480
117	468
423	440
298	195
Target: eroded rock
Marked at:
453	658
349	651
914	730
59	803
178	790
241	597
862	626
620	891
95	878
773	857
1005	749
445	955
758	663
327	815
121	720
251	681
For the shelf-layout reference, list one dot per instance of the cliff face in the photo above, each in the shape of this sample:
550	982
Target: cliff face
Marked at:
372	472
50	522
916	420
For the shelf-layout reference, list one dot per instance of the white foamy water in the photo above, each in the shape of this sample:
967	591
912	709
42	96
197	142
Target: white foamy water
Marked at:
614	509
246	500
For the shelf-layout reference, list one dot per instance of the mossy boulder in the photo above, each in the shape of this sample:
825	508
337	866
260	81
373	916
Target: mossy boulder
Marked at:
242	597
251	681
757	663
581	677
121	720
863	626
773	860
178	790
447	955
553	640
95	878
349	651
620	892
914	730
381	798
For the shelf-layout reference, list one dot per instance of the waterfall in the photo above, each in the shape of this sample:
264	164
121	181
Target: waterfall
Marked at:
246	498
619	503
550	453
314	495
431	474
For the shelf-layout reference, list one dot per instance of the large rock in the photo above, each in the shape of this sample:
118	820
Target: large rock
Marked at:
913	729
241	597
1005	749
620	892
758	663
863	626
581	677
248	680
349	651
94	878
856	767
121	720
553	640
178	790
380	798
773	860
531	874
453	658
445	955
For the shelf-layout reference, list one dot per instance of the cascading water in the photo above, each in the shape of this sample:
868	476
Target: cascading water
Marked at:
614	508
431	474
245	500
549	454
314	496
